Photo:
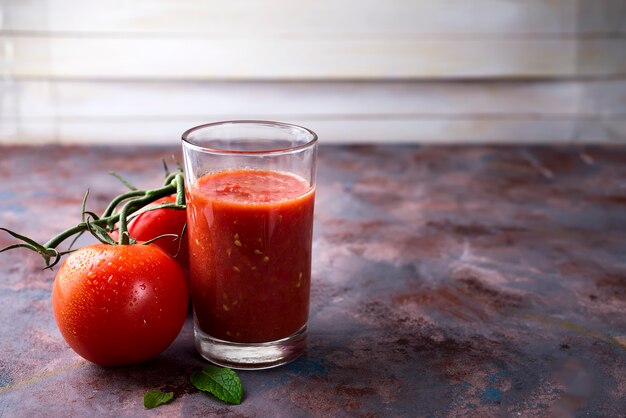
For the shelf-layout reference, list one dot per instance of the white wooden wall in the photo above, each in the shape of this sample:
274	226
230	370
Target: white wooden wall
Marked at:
353	70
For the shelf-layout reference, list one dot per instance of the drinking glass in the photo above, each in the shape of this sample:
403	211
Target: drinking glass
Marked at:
250	188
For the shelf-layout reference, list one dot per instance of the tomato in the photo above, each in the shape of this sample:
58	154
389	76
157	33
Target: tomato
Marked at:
151	224
119	304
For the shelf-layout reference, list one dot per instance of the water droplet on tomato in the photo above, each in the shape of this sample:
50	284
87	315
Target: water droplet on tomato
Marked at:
110	278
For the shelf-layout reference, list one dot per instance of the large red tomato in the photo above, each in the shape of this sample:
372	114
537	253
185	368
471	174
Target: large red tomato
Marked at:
119	304
151	224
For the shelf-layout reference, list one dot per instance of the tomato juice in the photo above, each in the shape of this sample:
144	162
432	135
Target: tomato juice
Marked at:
250	253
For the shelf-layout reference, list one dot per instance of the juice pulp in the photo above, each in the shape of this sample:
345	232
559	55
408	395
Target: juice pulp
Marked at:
250	234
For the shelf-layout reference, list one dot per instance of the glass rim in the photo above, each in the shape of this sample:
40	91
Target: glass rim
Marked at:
277	150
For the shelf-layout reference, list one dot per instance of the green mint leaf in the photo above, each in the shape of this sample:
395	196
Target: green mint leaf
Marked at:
153	398
224	384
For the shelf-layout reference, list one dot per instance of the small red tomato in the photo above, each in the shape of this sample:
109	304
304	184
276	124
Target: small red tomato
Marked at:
151	224
119	304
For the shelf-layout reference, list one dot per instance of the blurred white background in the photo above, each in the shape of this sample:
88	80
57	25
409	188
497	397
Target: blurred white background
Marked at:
143	71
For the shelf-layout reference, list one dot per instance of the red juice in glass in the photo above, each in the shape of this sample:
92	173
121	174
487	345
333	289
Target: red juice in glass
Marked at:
252	234
250	189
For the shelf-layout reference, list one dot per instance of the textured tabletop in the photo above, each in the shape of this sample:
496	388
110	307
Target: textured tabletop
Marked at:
447	281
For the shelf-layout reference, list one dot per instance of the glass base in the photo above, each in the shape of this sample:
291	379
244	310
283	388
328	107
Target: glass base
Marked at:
250	355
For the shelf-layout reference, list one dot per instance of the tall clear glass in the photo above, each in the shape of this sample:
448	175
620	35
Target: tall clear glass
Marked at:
250	188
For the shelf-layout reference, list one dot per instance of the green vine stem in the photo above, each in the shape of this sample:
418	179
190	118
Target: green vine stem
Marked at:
134	202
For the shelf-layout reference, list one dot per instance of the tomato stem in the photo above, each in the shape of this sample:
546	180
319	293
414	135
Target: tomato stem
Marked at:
135	201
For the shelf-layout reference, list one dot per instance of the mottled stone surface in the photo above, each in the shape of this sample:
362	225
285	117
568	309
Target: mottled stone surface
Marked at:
447	281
